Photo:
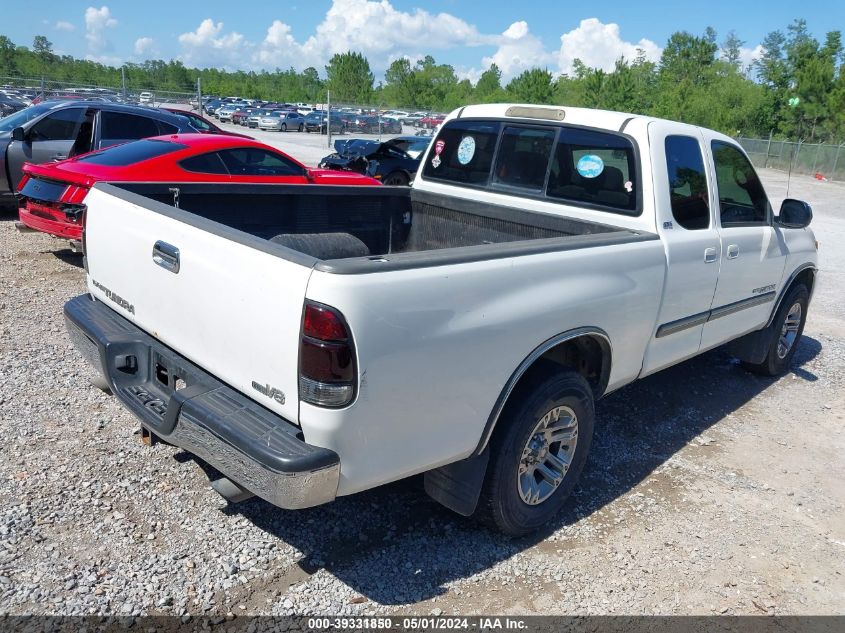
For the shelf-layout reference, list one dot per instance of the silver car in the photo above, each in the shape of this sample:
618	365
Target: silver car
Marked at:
282	121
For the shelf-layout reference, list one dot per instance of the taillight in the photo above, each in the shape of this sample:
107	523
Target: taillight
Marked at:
326	358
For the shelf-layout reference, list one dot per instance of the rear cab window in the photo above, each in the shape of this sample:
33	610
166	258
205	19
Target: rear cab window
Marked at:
556	163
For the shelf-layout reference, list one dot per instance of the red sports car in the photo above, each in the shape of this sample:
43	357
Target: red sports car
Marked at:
51	195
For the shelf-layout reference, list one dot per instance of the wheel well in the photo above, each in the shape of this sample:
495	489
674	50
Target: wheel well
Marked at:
589	354
806	277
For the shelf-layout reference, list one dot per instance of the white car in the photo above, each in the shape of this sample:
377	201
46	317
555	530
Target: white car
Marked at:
311	342
145	97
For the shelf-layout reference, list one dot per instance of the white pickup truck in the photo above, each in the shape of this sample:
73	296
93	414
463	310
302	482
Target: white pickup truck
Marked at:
312	342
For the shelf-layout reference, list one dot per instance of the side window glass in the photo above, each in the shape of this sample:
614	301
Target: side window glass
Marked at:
166	128
119	126
248	161
209	163
524	157
742	199
687	182
59	126
463	152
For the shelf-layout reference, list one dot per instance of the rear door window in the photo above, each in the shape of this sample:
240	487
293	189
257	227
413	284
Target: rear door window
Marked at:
463	152
596	168
687	182
121	126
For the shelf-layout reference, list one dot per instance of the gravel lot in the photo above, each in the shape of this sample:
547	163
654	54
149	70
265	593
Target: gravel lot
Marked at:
708	490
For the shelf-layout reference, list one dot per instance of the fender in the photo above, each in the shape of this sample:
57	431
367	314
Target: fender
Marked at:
458	485
800	269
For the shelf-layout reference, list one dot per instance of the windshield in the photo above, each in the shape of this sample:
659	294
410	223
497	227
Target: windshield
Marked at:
27	114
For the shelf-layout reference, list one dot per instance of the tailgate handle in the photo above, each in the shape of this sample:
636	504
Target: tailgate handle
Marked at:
167	256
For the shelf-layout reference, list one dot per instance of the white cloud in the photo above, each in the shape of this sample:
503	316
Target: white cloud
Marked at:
748	56
144	46
208	46
61	25
96	23
518	50
599	45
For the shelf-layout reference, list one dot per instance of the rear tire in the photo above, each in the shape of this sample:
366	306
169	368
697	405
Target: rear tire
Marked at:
538	451
787	326
284	127
300	127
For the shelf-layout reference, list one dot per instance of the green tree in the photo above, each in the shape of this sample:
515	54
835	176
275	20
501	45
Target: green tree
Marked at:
532	86
731	48
43	47
350	78
7	55
489	84
401	84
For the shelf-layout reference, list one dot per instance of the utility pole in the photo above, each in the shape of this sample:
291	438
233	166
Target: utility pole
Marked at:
199	95
123	80
329	119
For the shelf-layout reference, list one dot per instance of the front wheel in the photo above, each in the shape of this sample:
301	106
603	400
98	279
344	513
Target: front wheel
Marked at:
300	127
396	179
788	326
538	451
284	127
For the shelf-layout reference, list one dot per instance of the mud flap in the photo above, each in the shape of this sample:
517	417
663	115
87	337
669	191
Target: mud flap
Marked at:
458	485
753	347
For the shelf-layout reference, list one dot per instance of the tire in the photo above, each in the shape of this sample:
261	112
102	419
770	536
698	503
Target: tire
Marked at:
284	127
300	127
395	179
787	328
550	396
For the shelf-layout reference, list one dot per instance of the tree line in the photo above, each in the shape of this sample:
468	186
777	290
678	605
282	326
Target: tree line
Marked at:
795	89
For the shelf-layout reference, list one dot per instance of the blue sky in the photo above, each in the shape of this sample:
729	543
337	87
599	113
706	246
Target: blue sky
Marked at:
469	34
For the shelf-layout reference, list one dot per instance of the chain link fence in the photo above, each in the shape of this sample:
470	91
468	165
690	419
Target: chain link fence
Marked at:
41	88
816	159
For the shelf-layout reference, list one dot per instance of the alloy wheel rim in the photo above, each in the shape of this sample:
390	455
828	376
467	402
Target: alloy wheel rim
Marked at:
547	455
789	331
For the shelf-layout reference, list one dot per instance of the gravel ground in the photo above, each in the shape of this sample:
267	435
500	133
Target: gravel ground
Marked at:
708	490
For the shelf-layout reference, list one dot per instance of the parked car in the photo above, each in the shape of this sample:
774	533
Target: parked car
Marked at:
251	121
203	125
51	196
316	122
414	118
389	162
282	121
10	104
431	121
240	115
225	112
145	97
462	328
210	106
55	130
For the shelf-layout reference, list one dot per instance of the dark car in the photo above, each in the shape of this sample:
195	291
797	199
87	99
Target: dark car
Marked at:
55	130
394	162
316	122
10	105
203	125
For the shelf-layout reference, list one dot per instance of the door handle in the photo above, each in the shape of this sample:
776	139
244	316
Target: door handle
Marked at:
733	251
167	256
709	255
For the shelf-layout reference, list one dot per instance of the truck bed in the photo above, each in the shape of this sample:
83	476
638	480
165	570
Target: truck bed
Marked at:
391	225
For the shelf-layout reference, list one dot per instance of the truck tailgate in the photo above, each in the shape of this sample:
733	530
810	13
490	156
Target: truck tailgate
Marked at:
231	308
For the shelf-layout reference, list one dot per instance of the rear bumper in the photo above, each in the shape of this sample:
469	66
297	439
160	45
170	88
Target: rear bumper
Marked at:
58	228
187	407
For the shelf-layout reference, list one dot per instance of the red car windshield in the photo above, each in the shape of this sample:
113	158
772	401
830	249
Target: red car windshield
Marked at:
131	153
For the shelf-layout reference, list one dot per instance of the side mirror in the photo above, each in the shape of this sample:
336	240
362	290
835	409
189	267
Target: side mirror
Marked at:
18	134
794	214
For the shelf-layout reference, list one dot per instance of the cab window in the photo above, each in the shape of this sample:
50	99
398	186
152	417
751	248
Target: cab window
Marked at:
596	168
523	157
59	126
463	152
742	199
687	182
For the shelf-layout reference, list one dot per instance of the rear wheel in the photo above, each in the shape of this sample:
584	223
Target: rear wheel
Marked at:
396	179
537	452
300	127
788	326
284	127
